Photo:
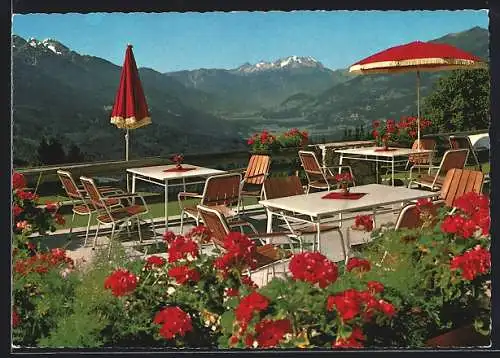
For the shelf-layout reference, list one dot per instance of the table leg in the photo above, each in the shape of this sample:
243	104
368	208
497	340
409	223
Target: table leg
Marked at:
323	156
166	204
318	235
341	160
376	169
133	183
269	221
392	172
184	184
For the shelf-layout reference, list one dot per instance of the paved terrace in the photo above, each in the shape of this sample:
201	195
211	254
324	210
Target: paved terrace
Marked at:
82	255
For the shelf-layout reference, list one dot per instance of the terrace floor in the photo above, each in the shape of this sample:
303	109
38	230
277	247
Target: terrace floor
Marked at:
82	255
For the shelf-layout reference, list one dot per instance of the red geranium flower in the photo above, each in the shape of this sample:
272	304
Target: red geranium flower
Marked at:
353	341
346	305
270	333
202	232
59	219
169	236
364	221
375	286
157	261
387	308
250	304
26	195
121	282
15	318
184	274
313	267
247	281
230	292
472	263
175	321
18	181
16	210
181	247
361	264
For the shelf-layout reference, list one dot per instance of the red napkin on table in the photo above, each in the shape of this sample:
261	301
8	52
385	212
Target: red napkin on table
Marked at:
349	196
175	169
385	150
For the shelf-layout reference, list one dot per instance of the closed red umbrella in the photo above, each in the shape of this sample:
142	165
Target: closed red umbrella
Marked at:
130	109
418	56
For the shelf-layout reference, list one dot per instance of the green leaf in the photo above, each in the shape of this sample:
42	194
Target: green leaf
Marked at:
227	319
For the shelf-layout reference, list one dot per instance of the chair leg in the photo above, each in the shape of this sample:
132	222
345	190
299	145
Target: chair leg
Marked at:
111	240
96	232
139	229
87	232
153	227
307	190
182	221
71	225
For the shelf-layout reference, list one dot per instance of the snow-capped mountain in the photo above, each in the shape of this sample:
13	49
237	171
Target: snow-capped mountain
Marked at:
48	44
281	64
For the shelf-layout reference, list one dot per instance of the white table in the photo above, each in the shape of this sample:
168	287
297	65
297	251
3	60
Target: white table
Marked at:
157	175
388	157
313	207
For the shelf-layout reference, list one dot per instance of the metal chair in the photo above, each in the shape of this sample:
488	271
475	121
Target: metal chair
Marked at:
319	177
107	215
267	255
79	199
464	142
281	187
452	159
222	191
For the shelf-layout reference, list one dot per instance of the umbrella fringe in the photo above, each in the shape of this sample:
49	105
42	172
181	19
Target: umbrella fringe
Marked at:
130	122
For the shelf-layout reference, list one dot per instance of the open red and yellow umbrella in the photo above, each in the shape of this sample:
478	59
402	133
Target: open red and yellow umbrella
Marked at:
130	109
416	57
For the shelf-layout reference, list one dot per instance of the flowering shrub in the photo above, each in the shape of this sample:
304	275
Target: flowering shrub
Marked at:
293	138
385	131
408	126
263	142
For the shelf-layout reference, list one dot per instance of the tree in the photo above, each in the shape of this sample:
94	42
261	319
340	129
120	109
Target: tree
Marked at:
75	155
51	152
459	102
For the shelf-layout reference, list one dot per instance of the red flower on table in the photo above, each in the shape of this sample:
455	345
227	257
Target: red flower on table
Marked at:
182	248
177	159
154	261
355	340
472	263
313	267
344	178
184	274
269	333
121	282
175	322
357	263
249	305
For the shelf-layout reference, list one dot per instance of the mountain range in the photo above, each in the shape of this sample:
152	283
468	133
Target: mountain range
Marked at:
59	92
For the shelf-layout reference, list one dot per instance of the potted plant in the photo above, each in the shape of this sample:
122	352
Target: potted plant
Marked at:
177	159
293	138
344	180
408	129
263	142
383	132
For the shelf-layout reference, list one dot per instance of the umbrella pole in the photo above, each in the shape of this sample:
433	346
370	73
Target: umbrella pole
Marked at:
126	157
418	107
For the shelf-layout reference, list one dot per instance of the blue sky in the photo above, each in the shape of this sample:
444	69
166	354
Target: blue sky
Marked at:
178	41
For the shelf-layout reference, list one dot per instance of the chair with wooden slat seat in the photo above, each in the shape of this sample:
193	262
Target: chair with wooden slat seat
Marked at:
281	187
318	177
268	255
222	190
460	181
464	142
254	176
79	199
452	159
108	215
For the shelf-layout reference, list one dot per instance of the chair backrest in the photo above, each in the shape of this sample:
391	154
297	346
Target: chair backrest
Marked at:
222	189
280	187
311	166
215	223
460	181
463	142
453	159
69	185
408	218
257	169
95	197
424	158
